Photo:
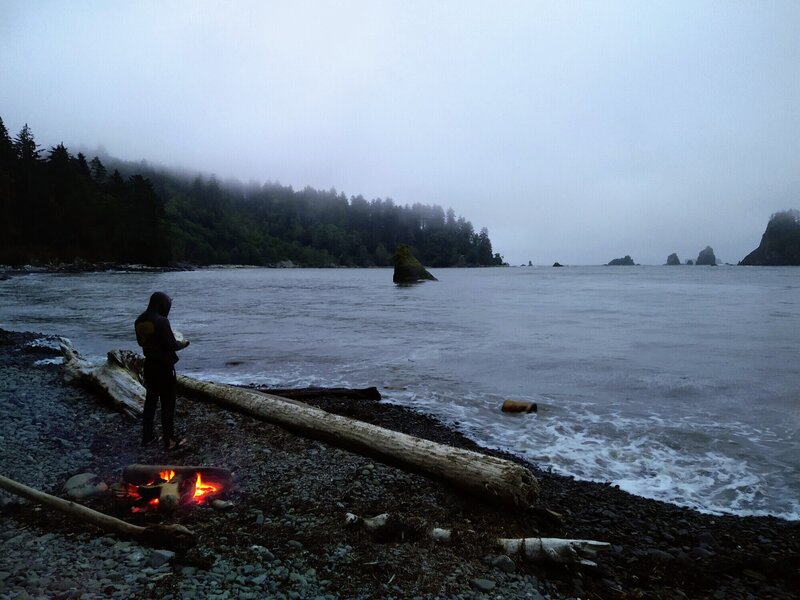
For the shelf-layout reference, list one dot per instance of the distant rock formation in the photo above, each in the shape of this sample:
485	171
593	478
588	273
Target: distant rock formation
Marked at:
673	259
780	244
617	262
407	269
689	261
557	264
706	257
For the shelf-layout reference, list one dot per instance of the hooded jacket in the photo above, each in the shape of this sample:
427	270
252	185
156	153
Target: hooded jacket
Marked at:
154	333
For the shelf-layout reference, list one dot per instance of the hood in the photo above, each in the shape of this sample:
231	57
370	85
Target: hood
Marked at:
160	303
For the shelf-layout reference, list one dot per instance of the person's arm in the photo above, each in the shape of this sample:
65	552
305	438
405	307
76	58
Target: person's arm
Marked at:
167	338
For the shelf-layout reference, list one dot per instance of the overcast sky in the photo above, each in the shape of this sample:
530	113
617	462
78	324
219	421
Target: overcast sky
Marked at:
574	131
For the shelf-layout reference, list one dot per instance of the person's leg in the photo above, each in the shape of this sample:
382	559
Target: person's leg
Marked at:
151	384
168	406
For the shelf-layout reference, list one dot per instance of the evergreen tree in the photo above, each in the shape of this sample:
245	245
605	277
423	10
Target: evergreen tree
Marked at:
98	170
7	152
25	146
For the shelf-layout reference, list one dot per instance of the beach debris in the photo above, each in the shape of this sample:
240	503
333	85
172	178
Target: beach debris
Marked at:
539	549
518	406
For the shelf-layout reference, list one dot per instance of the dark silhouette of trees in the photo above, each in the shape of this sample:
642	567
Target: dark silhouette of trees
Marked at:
63	208
59	208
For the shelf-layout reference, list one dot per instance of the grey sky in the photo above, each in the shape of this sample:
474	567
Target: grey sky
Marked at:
574	131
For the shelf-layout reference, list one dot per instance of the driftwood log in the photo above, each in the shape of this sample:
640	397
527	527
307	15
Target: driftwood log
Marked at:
111	378
370	393
173	536
487	477
538	549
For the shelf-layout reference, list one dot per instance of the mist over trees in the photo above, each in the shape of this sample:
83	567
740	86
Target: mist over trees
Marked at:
57	207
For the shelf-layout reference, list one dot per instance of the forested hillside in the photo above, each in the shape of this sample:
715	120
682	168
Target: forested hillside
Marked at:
58	207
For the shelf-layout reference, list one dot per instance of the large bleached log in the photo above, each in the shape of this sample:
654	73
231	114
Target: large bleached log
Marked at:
488	477
160	535
111	378
538	549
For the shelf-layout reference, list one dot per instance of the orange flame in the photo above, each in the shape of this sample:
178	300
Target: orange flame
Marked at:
167	475
201	488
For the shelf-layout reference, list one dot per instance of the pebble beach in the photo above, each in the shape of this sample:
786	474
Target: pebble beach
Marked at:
281	531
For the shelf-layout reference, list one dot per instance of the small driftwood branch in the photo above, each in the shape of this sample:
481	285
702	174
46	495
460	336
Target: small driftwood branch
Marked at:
565	551
159	535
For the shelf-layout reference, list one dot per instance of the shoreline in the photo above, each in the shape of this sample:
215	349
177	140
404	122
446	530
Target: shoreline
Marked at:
291	489
8	271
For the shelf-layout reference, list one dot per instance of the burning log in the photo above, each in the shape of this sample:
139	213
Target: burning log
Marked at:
142	474
165	487
111	378
485	476
565	551
174	536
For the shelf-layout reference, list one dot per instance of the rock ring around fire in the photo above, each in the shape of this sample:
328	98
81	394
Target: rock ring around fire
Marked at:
85	485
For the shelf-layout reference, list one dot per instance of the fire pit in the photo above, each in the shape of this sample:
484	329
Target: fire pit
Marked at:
165	487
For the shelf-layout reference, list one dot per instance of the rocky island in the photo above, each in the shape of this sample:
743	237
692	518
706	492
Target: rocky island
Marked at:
780	244
619	262
407	269
706	257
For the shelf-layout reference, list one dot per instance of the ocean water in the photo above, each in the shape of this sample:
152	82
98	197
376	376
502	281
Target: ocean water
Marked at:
676	383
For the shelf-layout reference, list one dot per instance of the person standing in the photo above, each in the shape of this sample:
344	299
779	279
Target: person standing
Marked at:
154	334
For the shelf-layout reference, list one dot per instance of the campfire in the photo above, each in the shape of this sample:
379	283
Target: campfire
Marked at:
165	488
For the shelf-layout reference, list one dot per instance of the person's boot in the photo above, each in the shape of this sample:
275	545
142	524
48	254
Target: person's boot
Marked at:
173	445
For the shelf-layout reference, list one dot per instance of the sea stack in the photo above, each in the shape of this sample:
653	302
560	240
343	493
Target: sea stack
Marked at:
706	257
619	262
407	269
673	259
780	244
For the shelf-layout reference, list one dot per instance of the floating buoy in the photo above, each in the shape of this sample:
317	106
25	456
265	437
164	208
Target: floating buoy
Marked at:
516	406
